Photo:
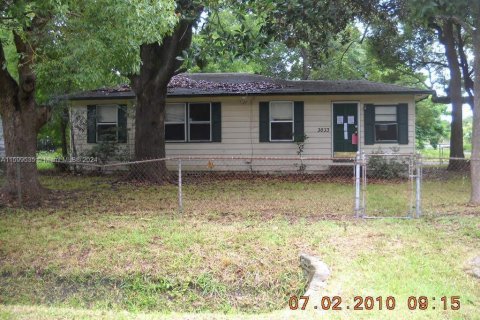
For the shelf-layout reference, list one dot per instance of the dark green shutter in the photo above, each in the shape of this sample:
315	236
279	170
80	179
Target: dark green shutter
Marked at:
402	118
122	124
298	115
264	117
216	122
369	124
91	124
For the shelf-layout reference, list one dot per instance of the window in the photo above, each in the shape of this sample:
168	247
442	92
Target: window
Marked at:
281	121
199	122
175	122
107	122
386	125
193	122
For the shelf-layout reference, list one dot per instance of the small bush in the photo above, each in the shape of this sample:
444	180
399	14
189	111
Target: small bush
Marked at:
386	167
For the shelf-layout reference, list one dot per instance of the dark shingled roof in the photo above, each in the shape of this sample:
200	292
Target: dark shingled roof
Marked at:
228	84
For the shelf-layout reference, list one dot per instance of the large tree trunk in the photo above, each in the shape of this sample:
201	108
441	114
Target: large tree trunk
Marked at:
22	119
475	160
159	65
21	149
150	135
455	92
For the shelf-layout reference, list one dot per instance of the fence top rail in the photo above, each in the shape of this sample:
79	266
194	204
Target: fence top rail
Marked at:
257	158
198	158
390	154
83	164
212	158
119	164
447	158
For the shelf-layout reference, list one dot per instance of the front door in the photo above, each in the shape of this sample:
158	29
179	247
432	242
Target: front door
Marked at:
345	122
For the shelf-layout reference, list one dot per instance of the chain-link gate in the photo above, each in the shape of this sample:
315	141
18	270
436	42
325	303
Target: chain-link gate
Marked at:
388	185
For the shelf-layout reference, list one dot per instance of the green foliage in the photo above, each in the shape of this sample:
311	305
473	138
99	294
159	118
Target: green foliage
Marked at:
430	128
227	39
106	151
85	44
276	38
386	167
300	142
6	38
52	130
467	133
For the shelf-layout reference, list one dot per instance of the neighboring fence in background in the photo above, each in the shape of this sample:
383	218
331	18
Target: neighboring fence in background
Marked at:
375	185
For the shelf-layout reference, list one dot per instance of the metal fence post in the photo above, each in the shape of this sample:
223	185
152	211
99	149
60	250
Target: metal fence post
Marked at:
364	163
180	195
418	203
19	187
357	184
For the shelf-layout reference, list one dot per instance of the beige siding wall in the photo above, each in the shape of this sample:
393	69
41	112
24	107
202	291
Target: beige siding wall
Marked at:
240	126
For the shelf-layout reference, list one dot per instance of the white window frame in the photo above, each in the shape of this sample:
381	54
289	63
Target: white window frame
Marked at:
385	123
199	122
106	123
176	122
270	121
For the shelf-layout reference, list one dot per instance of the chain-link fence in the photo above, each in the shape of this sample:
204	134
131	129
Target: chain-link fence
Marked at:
446	186
388	185
374	185
235	186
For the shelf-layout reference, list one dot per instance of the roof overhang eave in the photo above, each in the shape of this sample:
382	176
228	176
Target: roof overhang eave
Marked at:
419	95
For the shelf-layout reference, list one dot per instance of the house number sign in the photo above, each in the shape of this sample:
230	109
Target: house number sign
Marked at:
323	129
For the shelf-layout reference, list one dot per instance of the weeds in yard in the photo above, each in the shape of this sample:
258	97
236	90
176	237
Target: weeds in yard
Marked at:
234	249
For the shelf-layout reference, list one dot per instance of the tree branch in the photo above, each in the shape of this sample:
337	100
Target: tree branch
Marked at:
437	63
174	44
43	113
7	83
459	21
467	80
25	70
180	70
447	99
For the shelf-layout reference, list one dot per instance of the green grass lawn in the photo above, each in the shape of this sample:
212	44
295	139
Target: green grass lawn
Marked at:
120	251
45	159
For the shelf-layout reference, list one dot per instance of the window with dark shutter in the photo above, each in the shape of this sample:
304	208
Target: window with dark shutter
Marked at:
402	117
299	130
281	121
264	130
122	124
369	122
91	124
107	123
386	124
216	122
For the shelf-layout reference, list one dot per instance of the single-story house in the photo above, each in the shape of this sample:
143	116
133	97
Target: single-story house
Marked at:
239	114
